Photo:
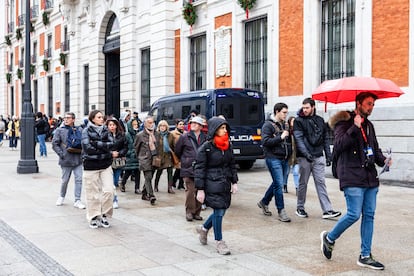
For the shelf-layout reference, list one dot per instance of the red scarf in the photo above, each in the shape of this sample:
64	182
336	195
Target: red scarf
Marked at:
222	142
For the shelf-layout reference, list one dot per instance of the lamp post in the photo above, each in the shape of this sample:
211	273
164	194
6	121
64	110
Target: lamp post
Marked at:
27	162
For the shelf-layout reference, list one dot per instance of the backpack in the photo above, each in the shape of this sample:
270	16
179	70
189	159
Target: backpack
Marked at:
74	140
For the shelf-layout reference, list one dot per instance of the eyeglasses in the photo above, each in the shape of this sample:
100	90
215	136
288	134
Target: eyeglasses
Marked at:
67	117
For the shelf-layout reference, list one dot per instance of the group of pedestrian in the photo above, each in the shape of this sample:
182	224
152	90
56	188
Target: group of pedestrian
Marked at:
302	143
208	170
10	129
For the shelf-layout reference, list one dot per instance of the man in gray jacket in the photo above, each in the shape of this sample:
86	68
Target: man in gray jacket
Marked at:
69	162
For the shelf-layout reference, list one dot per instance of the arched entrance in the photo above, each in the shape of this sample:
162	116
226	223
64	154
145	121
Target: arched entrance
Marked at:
111	49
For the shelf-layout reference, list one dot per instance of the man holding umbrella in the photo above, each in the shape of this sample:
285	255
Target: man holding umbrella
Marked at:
356	151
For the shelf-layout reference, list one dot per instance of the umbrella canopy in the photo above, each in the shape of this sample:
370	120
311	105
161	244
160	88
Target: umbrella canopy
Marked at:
345	89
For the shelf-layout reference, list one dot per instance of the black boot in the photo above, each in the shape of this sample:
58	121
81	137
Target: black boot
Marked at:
285	189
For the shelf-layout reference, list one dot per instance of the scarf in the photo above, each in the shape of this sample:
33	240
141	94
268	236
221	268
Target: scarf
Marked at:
98	129
166	145
222	142
151	141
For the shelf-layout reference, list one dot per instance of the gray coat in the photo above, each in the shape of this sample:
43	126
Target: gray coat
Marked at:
66	159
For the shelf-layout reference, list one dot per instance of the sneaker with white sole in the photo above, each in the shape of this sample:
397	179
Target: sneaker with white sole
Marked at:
326	246
115	205
222	248
331	214
59	201
301	213
370	262
104	222
94	223
79	204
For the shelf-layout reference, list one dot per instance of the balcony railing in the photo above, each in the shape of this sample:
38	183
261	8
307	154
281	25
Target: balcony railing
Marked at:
22	18
34	13
48	5
33	58
10	27
48	53
64	46
21	63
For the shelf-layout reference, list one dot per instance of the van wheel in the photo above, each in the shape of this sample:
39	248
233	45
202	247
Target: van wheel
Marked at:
246	164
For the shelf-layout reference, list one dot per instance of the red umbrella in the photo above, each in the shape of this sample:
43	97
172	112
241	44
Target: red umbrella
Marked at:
345	89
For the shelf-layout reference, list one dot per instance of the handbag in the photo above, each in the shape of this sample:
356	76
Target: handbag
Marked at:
175	159
118	163
156	161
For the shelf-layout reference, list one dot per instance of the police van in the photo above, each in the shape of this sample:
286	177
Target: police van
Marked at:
242	108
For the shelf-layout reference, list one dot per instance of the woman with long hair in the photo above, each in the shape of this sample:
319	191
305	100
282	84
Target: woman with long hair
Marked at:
119	151
97	145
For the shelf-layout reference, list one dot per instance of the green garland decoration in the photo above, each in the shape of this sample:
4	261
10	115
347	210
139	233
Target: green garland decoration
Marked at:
46	64
45	18
8	40
247	5
8	77
189	14
19	73
18	34
32	69
62	58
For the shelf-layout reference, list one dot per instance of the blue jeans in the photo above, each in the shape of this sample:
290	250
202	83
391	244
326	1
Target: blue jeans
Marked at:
117	174
279	170
13	141
358	201
42	144
215	220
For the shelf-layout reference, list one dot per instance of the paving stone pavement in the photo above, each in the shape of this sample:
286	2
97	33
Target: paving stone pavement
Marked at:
39	238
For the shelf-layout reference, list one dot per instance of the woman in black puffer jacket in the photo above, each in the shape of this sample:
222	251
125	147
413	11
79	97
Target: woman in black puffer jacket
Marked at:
215	178
97	145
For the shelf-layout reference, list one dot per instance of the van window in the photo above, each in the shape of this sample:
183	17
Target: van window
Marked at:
240	111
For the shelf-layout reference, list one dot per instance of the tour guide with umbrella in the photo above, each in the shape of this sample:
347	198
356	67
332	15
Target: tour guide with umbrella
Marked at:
345	90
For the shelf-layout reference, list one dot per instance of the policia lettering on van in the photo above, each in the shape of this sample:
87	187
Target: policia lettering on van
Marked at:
242	108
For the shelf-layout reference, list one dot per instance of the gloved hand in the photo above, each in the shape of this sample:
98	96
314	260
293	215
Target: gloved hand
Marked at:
309	157
328	162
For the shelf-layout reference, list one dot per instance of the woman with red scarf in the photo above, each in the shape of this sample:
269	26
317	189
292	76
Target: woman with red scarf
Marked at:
216	179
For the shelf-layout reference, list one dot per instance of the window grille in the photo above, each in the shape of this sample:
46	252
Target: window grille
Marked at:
337	39
86	89
255	60
145	79
67	91
198	63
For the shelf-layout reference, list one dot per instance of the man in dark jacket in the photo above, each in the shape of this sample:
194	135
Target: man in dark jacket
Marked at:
69	162
356	151
277	146
311	137
186	150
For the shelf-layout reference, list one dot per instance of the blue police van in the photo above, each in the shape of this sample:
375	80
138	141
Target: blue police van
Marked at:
242	108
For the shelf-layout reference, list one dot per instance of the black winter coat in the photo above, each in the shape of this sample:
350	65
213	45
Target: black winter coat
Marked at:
353	168
131	157
185	151
96	149
311	136
215	170
273	145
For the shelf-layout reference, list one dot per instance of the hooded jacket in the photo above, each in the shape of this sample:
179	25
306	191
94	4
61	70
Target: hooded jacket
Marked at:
131	157
215	170
311	136
59	142
273	145
353	167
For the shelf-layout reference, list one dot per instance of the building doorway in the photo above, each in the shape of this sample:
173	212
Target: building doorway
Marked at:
111	49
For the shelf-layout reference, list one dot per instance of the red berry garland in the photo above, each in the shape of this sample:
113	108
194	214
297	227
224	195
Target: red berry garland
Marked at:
246	5
189	14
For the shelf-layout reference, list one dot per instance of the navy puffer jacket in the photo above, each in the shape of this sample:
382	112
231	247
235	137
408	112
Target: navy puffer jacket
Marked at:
215	170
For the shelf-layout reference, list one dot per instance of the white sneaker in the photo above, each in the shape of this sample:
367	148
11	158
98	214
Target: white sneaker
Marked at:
59	201
79	204
115	205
